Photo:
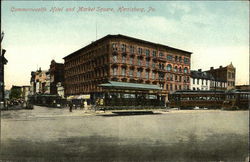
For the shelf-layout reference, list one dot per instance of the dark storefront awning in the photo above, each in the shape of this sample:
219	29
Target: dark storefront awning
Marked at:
125	85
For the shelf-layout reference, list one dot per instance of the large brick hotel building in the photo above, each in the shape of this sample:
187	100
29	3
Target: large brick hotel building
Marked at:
121	58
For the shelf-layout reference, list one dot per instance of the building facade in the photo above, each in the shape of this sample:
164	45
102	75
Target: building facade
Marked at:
200	80
125	59
225	76
56	75
38	82
47	83
25	92
3	62
60	89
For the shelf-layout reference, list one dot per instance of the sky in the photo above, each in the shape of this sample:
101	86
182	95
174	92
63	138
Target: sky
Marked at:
216	32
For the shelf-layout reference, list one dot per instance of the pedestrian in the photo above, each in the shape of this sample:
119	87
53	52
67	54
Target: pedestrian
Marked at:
70	106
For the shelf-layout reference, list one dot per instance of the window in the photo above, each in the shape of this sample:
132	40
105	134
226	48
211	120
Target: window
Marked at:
131	60
180	78
169	57
186	60
169	67
123	59
179	87
166	86
140	50
161	76
123	71
180	59
153	76
198	81
176	58
202	81
114	46
139	62
147	63
161	54
123	47
180	70
176	78
176	87
206	82
162	85
115	71
175	69
171	77
131	72
132	49
147	75
147	53
171	87
153	65
138	73
161	66
154	53
114	58
185	70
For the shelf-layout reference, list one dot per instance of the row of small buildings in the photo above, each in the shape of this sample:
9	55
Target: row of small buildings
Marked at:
122	66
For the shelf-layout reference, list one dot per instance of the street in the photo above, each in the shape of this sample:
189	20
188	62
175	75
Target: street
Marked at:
54	134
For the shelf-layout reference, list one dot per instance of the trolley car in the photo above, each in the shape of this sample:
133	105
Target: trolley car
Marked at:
210	99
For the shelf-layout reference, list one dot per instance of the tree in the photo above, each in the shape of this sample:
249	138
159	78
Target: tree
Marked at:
15	93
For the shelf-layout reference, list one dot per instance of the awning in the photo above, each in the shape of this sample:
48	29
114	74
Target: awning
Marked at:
125	85
86	96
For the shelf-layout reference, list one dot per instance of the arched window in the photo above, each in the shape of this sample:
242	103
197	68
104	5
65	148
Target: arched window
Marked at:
169	67
185	70
176	58
180	70
175	69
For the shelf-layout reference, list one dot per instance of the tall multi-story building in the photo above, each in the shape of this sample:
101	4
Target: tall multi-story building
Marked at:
56	75
225	75
125	59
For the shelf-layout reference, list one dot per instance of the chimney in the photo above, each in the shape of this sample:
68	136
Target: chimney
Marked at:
211	68
220	67
199	70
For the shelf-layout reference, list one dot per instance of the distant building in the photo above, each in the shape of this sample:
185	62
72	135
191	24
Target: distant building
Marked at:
56	75
38	82
200	80
25	92
224	77
47	84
